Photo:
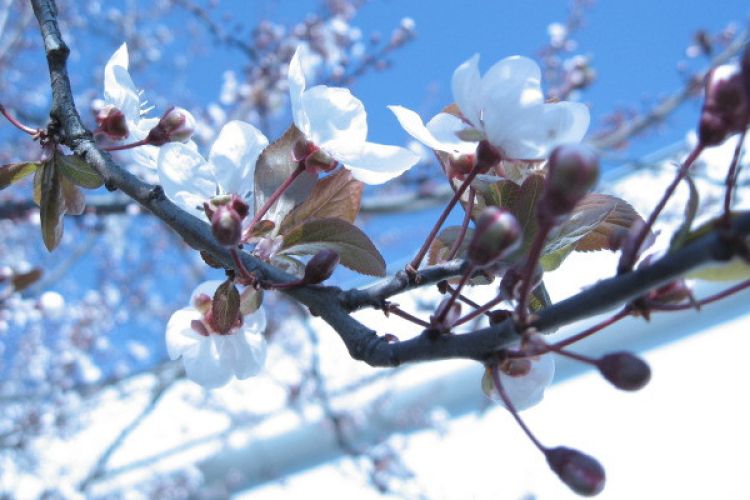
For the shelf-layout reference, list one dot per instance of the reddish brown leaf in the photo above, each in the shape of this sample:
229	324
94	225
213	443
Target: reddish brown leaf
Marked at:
621	217
225	307
23	280
334	197
274	166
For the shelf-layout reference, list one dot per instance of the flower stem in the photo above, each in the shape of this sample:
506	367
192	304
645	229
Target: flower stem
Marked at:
464	226
12	119
273	199
628	258
731	181
414	266
142	142
454	294
545	226
504	396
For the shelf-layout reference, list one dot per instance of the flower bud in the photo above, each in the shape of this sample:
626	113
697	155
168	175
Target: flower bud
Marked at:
450	316
580	472
176	125
111	122
726	109
321	267
202	303
226	226
458	165
624	370
497	235
573	171
319	162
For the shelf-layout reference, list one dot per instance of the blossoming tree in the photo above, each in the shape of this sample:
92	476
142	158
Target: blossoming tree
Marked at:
278	215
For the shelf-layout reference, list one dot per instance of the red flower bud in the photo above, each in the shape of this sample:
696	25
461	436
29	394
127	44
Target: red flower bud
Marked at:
226	225
321	267
176	125
580	472
624	370
726	109
573	171
497	235
111	122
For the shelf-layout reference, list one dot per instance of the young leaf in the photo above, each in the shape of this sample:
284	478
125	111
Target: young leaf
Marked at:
52	205
78	171
336	197
14	172
492	192
691	210
356	250
73	198
524	208
621	218
444	241
563	239
274	166
225	307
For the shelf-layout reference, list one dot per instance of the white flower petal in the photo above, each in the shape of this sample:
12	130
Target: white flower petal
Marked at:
338	122
541	128
180	336
414	126
528	390
296	82
378	163
119	88
465	85
248	352
233	157
186	177
445	127
205	366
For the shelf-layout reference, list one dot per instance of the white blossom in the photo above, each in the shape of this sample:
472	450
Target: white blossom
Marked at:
527	390
189	180
506	107
121	92
212	359
335	122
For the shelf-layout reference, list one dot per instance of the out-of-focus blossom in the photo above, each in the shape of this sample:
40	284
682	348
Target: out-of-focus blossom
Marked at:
212	359
335	123
189	180
525	388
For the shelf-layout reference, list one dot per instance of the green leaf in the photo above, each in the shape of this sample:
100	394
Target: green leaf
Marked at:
445	240
75	202
14	172
524	209
52	206
78	171
356	250
225	307
622	217
493	192
563	238
691	210
334	197
734	269
274	166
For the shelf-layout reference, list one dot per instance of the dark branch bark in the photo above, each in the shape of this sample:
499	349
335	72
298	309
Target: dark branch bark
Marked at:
335	305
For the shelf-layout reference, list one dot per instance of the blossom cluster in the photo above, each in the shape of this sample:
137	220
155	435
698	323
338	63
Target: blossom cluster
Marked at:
504	109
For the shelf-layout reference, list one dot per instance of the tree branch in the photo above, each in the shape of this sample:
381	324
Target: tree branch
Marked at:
334	305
